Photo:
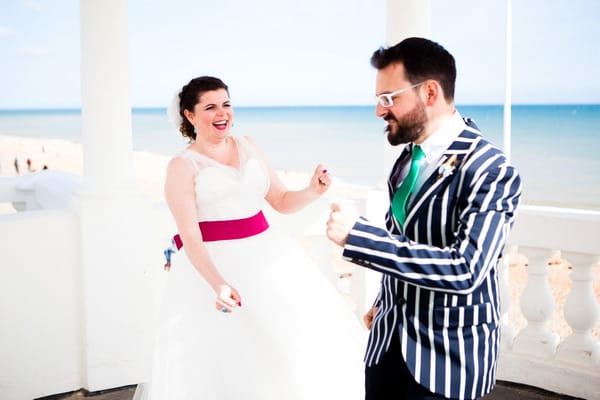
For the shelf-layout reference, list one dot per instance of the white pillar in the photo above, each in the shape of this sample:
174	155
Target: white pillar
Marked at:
106	110
508	82
405	18
118	250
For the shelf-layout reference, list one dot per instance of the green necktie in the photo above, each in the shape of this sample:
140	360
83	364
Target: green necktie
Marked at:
403	192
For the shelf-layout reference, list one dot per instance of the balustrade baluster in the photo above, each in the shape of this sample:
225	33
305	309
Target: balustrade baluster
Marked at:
581	313
537	305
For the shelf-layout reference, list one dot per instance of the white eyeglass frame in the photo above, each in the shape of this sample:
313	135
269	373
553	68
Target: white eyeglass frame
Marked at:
387	99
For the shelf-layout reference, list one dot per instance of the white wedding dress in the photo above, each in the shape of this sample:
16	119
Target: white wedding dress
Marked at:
293	338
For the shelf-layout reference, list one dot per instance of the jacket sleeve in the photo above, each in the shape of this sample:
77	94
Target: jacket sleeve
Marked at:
482	229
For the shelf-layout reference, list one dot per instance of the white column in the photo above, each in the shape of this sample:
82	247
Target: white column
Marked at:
508	81
537	305
118	245
106	109
405	18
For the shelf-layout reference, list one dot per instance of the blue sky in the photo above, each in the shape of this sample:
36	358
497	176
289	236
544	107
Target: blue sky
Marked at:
310	52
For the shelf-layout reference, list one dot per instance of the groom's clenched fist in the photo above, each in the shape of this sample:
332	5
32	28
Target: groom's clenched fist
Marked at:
341	220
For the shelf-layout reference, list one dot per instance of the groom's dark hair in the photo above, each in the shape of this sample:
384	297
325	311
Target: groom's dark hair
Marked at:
422	59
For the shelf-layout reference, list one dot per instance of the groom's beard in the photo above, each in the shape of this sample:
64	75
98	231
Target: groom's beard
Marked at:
409	128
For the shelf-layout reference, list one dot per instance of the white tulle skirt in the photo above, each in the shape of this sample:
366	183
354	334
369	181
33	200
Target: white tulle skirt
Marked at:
293	338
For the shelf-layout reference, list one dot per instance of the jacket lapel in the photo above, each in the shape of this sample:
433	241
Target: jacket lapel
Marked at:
445	170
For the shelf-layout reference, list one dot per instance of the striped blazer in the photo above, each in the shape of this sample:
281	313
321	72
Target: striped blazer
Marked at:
439	286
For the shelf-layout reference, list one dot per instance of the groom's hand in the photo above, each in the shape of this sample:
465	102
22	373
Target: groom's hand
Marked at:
369	316
341	220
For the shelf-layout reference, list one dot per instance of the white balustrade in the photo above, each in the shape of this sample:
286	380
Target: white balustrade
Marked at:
534	356
537	356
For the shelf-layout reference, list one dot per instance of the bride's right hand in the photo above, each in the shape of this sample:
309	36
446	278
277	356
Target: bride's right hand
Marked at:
227	299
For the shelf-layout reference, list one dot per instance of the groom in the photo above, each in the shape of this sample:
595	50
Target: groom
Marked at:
453	195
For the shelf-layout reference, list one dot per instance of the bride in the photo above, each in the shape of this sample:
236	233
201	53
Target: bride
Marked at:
246	314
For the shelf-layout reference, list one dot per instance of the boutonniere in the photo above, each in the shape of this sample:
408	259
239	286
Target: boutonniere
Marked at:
447	167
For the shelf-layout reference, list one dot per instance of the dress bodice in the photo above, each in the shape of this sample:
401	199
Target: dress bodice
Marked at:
224	192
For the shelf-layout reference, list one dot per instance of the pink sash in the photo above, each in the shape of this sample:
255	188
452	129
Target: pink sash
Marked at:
230	229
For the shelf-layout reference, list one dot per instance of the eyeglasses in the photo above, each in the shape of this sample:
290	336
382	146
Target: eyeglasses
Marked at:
387	99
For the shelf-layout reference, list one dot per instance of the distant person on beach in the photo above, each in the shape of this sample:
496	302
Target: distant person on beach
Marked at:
453	196
28	164
16	163
246	314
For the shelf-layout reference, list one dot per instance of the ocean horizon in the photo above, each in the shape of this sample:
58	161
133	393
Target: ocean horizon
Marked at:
554	147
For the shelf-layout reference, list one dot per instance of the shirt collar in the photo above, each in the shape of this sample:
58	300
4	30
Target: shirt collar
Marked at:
438	142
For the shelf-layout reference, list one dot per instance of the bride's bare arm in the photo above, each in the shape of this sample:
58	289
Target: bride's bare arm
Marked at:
180	196
288	201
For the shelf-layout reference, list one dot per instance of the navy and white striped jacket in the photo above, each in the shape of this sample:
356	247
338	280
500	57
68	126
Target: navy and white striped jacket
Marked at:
440	286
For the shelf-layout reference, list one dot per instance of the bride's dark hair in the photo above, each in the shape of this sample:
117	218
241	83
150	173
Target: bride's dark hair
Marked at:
190	96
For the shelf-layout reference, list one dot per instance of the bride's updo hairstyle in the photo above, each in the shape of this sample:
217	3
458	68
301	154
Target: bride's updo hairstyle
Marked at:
190	96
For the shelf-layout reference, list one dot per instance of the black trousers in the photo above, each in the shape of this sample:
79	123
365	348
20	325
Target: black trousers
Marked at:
391	379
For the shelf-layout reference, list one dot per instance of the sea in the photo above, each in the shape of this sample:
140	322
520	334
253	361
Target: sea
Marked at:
555	147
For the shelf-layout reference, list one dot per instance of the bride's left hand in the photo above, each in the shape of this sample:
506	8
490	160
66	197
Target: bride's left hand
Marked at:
320	180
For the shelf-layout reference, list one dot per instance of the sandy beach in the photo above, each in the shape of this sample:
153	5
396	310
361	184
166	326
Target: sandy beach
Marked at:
149	168
149	172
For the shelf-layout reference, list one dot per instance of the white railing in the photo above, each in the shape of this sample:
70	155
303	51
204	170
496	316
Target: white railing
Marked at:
564	357
41	279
